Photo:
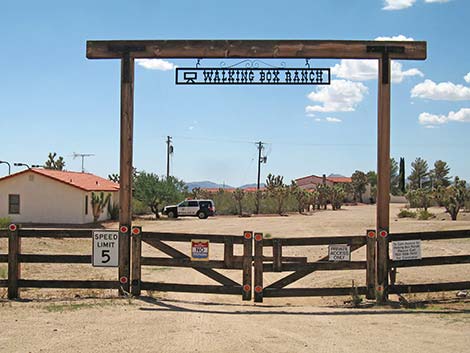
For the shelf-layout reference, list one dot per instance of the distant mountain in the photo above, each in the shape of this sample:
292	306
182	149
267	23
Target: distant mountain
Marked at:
206	184
336	176
262	185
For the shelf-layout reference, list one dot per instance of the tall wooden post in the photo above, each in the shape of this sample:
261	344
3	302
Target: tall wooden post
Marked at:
383	178
14	266
125	180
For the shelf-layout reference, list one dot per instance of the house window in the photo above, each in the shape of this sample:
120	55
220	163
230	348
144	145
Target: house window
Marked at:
13	204
86	204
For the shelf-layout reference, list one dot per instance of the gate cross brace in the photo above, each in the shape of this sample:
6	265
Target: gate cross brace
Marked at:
216	276
295	276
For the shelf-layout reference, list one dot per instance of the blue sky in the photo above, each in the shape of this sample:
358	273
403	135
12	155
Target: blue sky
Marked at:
54	99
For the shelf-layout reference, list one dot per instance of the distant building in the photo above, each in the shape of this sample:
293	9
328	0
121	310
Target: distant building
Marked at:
311	181
52	196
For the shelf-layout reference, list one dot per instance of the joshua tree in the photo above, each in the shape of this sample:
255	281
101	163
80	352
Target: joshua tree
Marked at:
323	192
277	190
453	197
239	195
98	204
301	195
337	195
52	163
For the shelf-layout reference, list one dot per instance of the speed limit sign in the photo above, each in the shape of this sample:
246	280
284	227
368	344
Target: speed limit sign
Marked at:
105	248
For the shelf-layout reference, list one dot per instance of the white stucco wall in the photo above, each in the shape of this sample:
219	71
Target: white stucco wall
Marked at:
44	200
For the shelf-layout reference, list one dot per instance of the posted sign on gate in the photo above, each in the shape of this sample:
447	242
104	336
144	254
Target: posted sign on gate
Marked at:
200	250
339	252
105	248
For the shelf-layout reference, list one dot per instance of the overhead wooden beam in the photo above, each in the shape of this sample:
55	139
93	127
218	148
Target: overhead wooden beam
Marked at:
321	49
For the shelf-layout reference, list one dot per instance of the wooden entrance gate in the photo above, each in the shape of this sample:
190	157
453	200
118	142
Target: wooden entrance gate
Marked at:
382	51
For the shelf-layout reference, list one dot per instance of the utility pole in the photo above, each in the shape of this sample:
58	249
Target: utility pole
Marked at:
169	151
260	160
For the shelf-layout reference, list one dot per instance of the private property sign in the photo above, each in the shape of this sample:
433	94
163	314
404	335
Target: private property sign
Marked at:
339	252
105	248
200	250
406	250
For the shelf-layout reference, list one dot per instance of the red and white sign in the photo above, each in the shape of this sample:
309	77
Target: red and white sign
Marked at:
200	250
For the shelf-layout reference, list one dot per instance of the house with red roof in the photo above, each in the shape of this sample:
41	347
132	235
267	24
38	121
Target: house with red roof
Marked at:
39	195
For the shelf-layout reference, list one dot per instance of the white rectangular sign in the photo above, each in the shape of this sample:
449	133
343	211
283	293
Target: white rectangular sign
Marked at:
105	248
406	250
339	252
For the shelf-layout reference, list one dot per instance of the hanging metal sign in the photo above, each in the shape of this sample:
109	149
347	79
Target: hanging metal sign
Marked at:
252	76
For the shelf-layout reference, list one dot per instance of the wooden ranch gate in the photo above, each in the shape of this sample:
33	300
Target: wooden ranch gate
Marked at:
249	267
382	51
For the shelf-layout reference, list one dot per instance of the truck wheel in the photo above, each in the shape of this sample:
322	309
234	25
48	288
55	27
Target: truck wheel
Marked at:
171	214
201	215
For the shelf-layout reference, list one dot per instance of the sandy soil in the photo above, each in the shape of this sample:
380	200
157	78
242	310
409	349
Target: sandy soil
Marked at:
177	322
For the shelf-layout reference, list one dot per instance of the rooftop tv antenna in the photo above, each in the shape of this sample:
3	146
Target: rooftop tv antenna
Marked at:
82	155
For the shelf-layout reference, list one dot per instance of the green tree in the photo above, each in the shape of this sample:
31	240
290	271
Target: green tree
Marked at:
440	174
359	183
53	163
453	197
98	204
154	191
372	180
401	176
239	195
419	173
277	190
394	177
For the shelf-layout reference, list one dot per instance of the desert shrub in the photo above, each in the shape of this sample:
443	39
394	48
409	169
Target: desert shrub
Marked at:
5	222
404	213
140	208
424	215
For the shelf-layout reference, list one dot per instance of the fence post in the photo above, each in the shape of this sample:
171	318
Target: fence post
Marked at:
277	255
136	253
371	237
14	266
258	263
124	259
247	263
382	260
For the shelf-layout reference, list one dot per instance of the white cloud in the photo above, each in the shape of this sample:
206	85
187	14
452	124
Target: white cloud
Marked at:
467	77
433	1
363	70
340	96
398	4
333	120
156	64
440	91
430	126
463	116
399	37
317	119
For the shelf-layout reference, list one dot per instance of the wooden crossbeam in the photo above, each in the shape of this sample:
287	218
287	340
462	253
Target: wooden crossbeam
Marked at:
287	49
216	276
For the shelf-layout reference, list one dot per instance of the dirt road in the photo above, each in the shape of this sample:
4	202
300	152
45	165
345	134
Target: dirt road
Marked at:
178	322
